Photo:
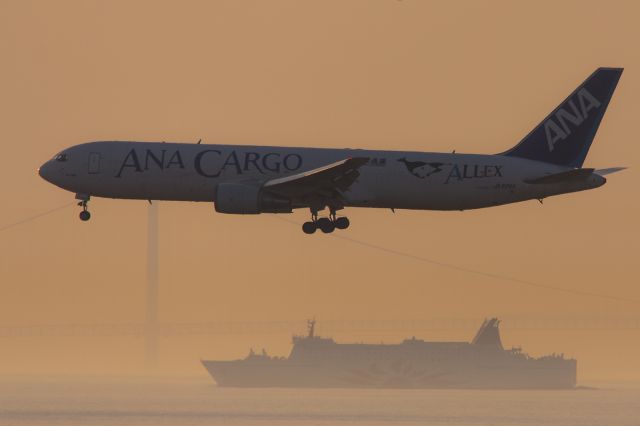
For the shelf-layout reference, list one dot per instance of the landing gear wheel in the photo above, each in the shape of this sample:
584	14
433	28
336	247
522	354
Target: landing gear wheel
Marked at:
341	223
309	227
327	226
84	200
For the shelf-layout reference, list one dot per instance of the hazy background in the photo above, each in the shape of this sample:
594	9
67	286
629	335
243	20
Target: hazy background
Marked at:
405	75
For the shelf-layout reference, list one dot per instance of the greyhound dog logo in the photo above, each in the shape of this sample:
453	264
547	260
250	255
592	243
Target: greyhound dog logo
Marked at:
421	169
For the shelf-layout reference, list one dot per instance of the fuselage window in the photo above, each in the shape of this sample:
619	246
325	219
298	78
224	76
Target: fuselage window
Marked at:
61	157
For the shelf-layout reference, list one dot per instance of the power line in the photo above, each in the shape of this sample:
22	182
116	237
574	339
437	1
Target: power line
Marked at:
400	254
474	271
329	326
34	217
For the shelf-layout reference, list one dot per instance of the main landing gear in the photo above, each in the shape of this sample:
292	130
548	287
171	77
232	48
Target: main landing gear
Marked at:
84	200
325	224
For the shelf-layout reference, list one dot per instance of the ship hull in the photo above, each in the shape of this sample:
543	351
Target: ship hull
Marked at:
318	362
401	375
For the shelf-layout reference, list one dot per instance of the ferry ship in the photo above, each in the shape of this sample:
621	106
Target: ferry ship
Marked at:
320	362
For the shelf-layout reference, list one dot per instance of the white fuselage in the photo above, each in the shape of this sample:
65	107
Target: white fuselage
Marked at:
391	179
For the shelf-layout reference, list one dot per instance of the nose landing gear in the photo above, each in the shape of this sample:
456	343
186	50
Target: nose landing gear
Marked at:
84	200
84	215
326	224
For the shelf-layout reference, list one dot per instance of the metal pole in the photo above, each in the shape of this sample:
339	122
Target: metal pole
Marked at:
151	329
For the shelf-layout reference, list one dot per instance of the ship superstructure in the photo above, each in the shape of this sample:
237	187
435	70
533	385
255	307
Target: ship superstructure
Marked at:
317	361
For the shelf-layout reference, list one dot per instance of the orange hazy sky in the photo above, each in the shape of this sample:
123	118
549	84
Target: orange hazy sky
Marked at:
405	75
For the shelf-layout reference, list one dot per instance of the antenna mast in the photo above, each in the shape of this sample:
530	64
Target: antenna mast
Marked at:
151	325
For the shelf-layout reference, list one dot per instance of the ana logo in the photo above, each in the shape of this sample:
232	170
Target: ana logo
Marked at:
557	127
422	169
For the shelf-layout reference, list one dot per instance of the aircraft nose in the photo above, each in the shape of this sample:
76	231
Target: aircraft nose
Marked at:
45	171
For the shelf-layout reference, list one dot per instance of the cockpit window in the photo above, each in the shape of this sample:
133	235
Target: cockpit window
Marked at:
61	157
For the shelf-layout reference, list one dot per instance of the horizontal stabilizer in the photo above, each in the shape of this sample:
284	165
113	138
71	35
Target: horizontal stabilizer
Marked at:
568	176
603	172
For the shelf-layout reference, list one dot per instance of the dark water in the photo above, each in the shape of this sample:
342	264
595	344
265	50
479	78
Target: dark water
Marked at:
30	401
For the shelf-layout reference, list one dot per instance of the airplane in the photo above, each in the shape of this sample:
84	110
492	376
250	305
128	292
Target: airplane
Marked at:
241	179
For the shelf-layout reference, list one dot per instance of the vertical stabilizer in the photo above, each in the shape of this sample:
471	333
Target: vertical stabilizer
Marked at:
565	136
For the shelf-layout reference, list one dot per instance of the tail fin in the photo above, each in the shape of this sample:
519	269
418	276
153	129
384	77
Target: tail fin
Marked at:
564	136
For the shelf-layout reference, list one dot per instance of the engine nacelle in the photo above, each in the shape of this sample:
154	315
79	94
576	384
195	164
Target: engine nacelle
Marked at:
238	198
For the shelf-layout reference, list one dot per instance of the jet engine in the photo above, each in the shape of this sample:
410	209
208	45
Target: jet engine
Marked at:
238	198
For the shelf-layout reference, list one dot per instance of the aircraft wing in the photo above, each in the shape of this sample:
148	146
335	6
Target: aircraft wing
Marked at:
321	181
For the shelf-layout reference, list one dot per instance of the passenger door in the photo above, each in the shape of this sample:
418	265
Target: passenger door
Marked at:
94	162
